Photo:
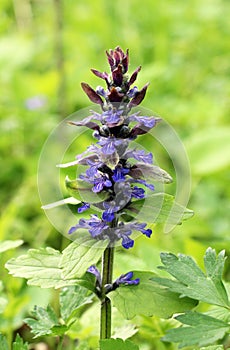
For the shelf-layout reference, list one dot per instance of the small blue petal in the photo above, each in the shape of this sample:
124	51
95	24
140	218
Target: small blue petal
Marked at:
127	279
84	207
147	232
138	192
72	229
132	92
106	216
98	187
119	174
92	269
127	242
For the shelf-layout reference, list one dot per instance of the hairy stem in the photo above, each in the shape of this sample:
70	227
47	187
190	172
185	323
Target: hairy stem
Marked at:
106	322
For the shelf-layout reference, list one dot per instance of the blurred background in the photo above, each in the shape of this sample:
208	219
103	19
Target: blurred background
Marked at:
46	50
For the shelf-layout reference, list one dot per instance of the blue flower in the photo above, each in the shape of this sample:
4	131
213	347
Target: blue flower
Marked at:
139	155
109	145
119	173
94	165
127	242
148	122
98	180
112	117
94	225
123	232
127	280
111	208
138	192
141	227
84	207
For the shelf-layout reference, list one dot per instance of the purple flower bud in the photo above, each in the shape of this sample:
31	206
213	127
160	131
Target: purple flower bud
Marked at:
127	280
92	269
88	124
101	91
134	76
103	75
140	95
118	75
132	92
116	57
114	95
93	96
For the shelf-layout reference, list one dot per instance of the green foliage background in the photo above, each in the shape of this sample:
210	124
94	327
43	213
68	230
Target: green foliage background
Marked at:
46	49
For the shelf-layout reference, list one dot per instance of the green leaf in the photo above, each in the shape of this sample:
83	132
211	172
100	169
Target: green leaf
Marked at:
220	313
40	268
190	279
3	343
159	208
80	255
201	330
71	299
44	321
117	344
148	299
18	344
6	245
82	191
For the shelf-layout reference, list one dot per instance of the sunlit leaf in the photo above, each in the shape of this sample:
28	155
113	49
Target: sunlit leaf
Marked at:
191	281
80	255
71	299
40	268
148	299
200	330
45	322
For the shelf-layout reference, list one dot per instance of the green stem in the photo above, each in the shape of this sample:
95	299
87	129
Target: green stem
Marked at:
107	275
60	343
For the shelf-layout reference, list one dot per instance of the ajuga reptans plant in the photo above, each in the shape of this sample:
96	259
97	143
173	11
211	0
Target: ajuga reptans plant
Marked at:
114	170
110	196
